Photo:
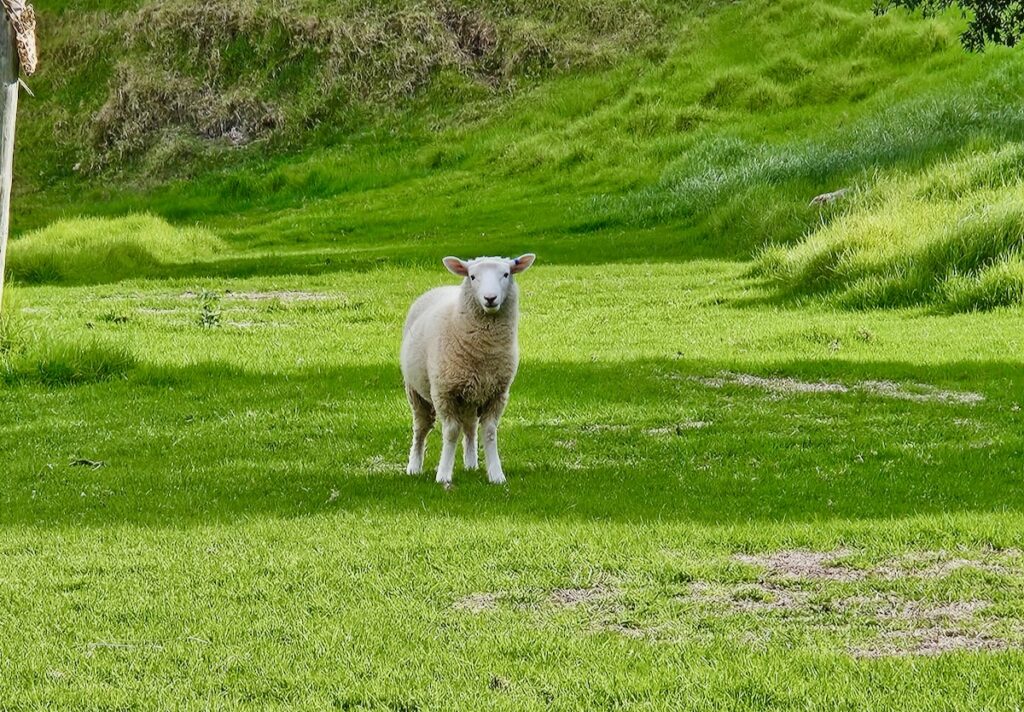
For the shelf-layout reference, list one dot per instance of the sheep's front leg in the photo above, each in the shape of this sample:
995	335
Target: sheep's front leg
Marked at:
469	449
450	429
489	422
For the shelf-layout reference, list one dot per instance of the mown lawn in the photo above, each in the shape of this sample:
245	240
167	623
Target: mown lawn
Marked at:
715	499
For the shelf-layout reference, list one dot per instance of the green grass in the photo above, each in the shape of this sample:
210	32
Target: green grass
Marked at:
202	425
250	537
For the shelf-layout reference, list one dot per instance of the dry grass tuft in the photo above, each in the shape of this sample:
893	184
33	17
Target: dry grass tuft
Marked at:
477	602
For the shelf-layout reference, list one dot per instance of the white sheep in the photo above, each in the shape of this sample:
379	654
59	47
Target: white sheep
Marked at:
459	355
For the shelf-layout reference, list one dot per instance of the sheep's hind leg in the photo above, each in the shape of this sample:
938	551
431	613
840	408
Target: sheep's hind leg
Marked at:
469	448
422	421
489	423
450	429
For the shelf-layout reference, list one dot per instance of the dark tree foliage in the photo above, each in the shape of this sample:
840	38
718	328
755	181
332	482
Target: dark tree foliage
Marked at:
992	21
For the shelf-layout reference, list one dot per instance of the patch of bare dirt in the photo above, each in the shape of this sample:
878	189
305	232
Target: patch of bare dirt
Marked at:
477	602
888	607
945	568
604	427
569	597
378	465
799	587
915	392
920	392
939	564
822	566
908	627
804	564
747	598
282	295
933	640
773	384
678	428
951	610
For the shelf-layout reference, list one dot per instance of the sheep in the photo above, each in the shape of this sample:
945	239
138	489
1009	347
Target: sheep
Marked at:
459	355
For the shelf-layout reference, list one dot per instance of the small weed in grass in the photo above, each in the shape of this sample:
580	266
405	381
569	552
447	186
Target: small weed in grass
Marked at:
112	317
209	310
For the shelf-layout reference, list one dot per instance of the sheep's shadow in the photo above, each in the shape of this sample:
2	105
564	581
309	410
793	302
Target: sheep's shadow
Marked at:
631	441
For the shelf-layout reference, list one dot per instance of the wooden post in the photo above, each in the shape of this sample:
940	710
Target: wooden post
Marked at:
8	110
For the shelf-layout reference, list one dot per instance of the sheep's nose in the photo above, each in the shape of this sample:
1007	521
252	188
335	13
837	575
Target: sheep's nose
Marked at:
490	300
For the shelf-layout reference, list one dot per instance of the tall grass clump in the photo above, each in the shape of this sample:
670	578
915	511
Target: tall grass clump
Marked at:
1001	284
90	250
62	363
54	362
30	354
14	333
950	237
10	336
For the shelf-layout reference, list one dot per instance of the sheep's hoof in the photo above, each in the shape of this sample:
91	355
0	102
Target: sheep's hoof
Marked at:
412	469
446	482
471	465
498	479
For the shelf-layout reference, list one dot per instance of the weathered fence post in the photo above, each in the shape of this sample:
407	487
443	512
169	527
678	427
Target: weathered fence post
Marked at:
8	111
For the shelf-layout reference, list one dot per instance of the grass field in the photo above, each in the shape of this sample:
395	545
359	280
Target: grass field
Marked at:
761	454
229	522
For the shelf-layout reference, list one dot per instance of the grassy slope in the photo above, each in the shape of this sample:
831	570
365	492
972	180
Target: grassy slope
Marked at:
250	539
711	143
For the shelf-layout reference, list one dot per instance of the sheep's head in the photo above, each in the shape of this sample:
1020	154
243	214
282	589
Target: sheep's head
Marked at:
490	279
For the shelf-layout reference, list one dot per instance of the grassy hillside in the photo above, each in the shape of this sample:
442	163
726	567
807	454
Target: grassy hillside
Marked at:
639	130
952	235
165	88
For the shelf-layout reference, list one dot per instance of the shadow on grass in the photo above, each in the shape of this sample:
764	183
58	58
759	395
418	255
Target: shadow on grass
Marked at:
927	300
313	259
634	441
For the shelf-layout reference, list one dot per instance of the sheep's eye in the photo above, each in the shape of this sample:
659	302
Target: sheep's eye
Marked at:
472	276
506	275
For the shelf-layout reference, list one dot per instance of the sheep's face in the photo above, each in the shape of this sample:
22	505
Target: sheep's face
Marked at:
490	279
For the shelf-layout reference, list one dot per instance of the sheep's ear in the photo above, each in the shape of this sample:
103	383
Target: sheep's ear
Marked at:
523	262
456	266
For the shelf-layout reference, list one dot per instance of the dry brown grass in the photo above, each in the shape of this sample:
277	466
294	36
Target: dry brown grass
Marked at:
229	72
